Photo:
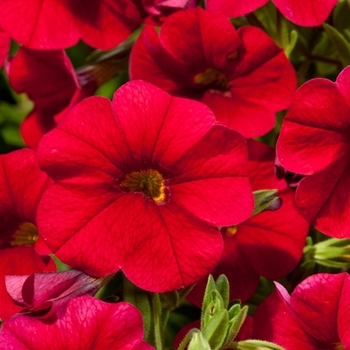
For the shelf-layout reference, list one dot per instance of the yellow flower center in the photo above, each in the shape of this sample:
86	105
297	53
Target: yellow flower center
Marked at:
231	231
213	79
338	346
149	181
26	234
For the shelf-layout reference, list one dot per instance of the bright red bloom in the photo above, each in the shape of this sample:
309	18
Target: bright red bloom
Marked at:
4	46
88	323
315	141
58	24
142	182
234	8
44	294
302	12
269	244
241	75
315	316
49	79
21	186
156	11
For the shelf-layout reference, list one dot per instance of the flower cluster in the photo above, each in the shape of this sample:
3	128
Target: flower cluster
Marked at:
163	155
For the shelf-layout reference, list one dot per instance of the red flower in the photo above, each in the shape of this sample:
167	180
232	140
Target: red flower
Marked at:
235	8
88	323
269	244
44	294
141	183
315	141
241	75
49	79
316	315
21	186
302	12
4	46
156	11
56	24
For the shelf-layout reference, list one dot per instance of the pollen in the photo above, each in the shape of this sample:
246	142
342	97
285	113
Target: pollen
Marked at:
149	181
26	234
231	231
212	79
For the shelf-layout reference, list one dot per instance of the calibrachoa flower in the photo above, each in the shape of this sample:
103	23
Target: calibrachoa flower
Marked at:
315	316
302	12
156	11
45	294
54	24
269	244
49	79
21	186
88	323
315	141
141	184
241	75
4	46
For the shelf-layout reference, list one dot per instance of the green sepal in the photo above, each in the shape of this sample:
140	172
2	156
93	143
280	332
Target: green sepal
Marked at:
235	325
214	307
263	199
339	42
252	344
223	287
215	330
207	293
198	342
234	311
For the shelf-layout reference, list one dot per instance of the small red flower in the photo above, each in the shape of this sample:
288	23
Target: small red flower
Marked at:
22	184
4	46
44	294
158	10
302	12
315	141
58	24
241	75
141	184
87	323
269	244
49	79
315	316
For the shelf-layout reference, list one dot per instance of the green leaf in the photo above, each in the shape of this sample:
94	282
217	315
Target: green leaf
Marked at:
339	42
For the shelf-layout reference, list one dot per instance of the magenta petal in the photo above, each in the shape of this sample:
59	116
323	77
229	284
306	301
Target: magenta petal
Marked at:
274	322
306	12
323	199
44	293
20	260
4	46
168	249
53	24
343	313
212	38
87	229
86	321
159	128
234	8
213	182
315	303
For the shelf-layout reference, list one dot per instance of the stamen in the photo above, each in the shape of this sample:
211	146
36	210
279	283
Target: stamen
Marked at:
26	234
149	181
